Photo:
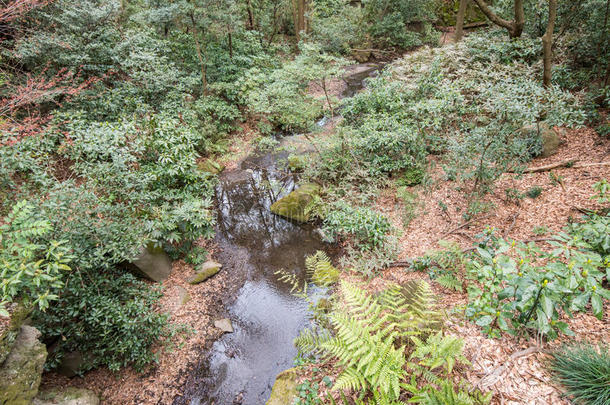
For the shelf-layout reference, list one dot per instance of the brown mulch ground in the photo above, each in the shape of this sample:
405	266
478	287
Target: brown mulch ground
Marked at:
521	379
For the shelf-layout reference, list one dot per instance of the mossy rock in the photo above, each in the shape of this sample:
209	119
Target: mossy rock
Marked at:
68	396
294	206
207	270
210	166
21	372
152	263
284	389
547	141
19	312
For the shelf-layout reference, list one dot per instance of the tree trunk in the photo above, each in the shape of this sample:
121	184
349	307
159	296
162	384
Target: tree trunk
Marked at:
204	80
250	25
515	27
547	44
519	19
300	22
230	38
459	23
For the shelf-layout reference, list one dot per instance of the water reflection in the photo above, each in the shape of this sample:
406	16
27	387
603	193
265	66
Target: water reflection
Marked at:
266	316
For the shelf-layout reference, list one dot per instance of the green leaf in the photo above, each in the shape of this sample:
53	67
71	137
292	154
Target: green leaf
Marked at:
548	305
597	305
485	320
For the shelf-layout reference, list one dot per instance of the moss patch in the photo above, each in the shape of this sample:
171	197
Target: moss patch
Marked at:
285	388
294	205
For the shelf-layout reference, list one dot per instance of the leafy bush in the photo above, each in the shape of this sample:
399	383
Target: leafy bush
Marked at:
584	371
402	24
493	47
109	317
281	94
592	234
515	291
32	266
368	228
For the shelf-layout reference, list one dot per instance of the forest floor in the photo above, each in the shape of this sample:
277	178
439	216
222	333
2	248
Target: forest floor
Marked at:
501	365
512	368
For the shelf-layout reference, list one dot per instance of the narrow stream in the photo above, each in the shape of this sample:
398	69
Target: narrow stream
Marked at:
254	244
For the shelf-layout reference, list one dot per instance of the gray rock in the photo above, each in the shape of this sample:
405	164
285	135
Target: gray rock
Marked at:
153	263
183	296
68	396
548	138
71	364
205	271
224	325
21	372
284	389
18	314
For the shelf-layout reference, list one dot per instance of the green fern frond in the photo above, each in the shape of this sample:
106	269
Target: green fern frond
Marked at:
450	281
439	351
320	269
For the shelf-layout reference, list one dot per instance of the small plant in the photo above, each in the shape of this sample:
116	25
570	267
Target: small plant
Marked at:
367	227
31	266
584	371
412	177
411	205
603	191
556	179
444	266
534	192
540	230
514	292
513	194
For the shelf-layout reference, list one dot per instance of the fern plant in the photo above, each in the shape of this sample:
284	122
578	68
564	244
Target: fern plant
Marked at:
320	269
439	351
446	394
371	334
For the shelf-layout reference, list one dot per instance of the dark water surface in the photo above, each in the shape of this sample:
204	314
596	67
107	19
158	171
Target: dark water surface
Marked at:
254	244
242	366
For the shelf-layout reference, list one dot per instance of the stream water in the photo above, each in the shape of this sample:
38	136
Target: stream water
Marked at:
255	244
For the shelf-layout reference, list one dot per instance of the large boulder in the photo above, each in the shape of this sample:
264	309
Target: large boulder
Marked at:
294	206
548	138
21	372
153	263
8	334
207	270
68	396
71	364
285	388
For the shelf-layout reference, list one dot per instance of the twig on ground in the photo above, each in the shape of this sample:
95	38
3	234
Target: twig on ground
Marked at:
497	372
457	228
512	225
571	164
